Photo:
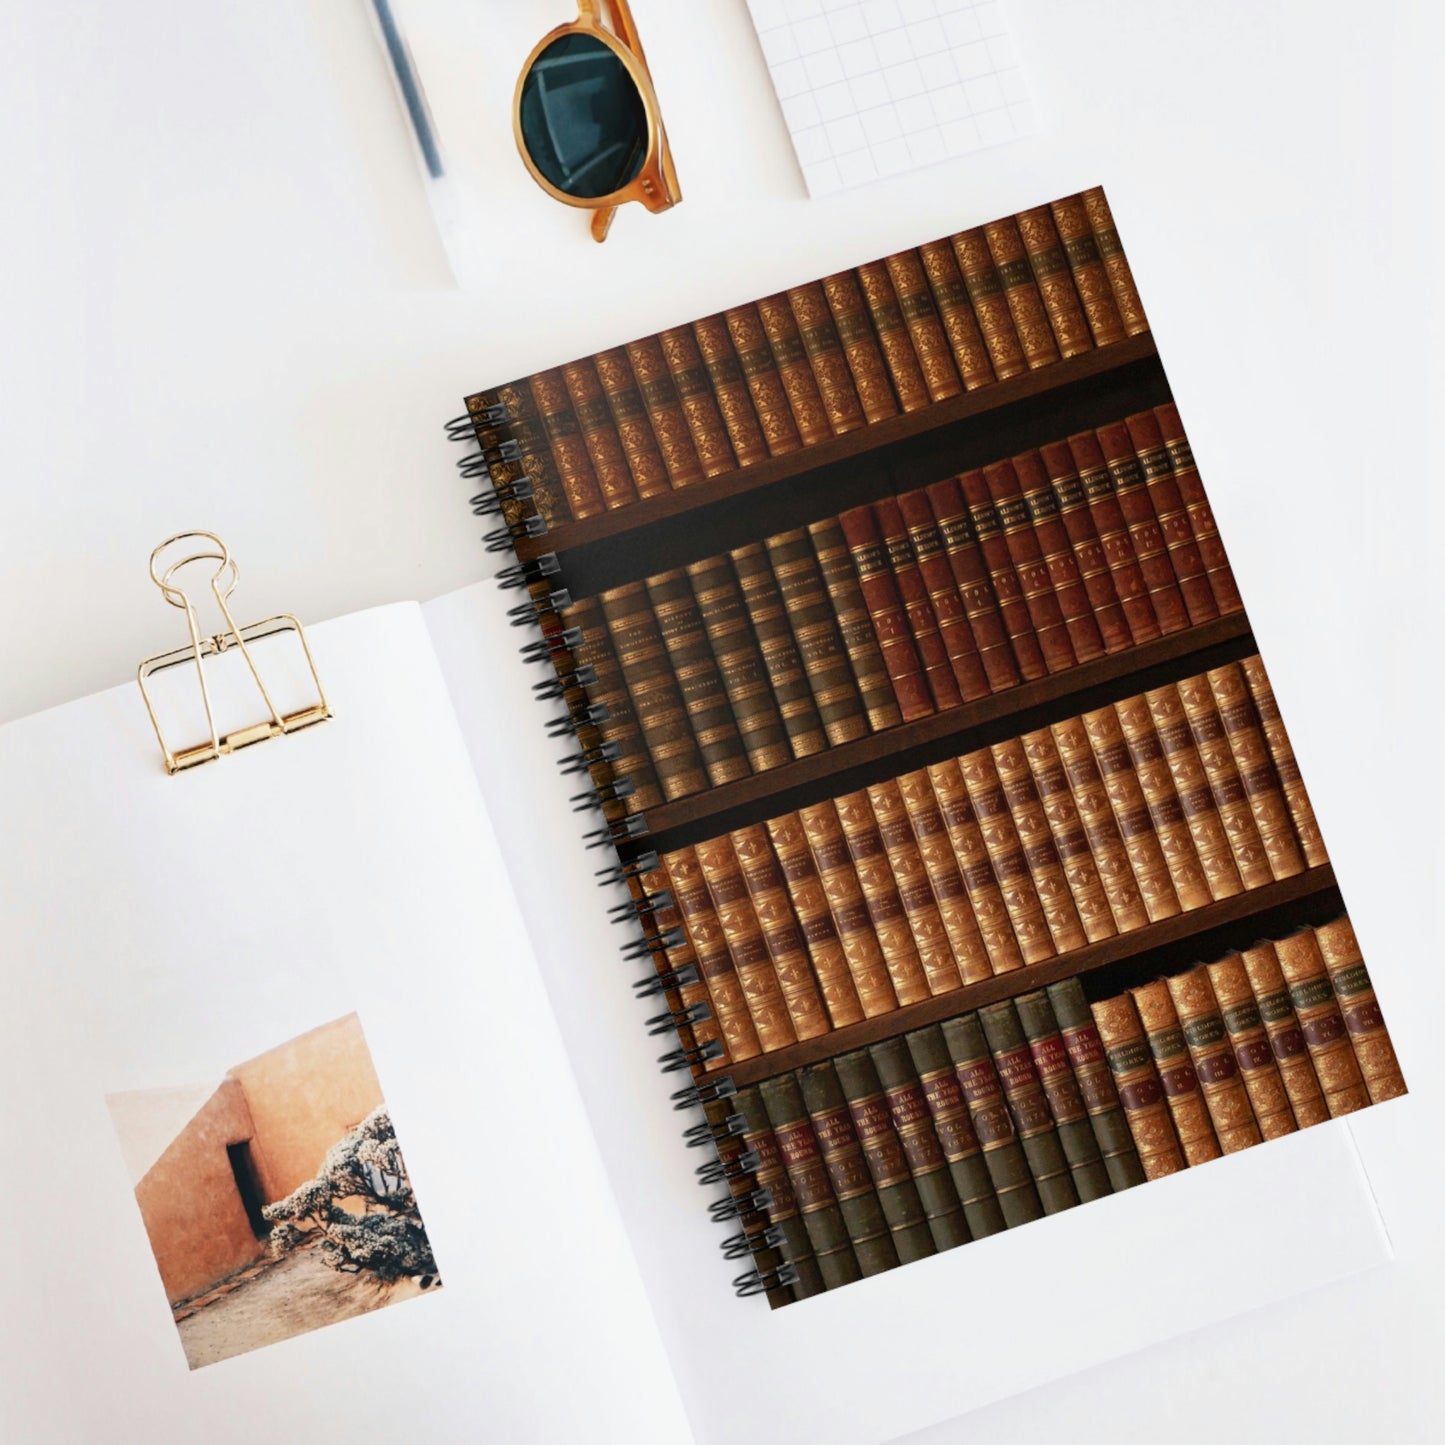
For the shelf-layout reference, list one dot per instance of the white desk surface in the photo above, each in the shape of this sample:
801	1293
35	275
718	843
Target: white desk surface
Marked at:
225	306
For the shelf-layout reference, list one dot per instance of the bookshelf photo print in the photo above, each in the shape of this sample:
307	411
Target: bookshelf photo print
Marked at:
974	873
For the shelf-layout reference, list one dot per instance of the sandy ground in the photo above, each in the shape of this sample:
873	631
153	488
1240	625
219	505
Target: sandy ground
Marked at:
294	1295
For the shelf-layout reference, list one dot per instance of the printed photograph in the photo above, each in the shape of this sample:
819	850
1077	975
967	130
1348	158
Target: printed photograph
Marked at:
275	1195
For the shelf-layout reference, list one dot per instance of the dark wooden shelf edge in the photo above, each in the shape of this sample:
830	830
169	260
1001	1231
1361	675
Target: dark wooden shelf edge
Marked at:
1010	985
568	535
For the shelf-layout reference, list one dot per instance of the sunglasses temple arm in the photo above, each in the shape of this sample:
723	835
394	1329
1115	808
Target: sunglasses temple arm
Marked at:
602	222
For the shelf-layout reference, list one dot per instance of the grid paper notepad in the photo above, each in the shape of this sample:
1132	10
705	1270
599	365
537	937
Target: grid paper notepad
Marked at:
872	88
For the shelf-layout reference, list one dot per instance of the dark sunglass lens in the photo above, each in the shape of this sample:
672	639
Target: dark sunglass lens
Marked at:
583	121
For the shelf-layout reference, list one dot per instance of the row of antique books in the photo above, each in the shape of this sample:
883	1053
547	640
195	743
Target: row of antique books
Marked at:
915	604
1028	1107
1008	856
817	361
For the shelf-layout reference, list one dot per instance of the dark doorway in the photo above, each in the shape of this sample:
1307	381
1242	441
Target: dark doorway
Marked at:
243	1168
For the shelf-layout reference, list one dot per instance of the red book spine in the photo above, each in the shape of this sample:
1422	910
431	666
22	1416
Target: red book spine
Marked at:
1078	523
937	669
943	594
885	607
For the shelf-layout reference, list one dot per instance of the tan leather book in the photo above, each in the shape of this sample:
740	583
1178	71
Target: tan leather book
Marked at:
795	369
1116	263
1141	1094
1281	753
924	325
860	346
1286	1038
1091	280
730	390
524	423
904	369
665	411
1177	1075
824	350
699	406
1340	950
1326	1035
1055	281
765	383
629	416
965	839
1214	1060
1249	1038
861	949
599	433
1021	291
990	305
575	472
950	294
694	997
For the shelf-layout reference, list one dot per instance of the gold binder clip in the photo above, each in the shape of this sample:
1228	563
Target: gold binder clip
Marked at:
223	583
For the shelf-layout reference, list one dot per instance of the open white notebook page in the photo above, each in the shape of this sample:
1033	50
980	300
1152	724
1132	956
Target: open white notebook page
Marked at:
156	930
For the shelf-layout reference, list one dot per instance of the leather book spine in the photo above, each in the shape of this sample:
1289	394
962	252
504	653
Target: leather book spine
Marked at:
1214	1060
629	416
824	350
1029	1106
656	699
1097	486
861	950
1121	278
924	325
599	434
815	920
960	325
1065	1100
730	390
1196	504
913	1123
883	1153
965	838
848	1172
1131	812
1055	281
739	663
808	1174
730	1151
1006	854
1360	1009
930	835
905	862
694	388
524	421
1007	589
1091	280
990	305
700	1031
860	641
815	631
1166	812
913	592
1317	1008
771	1174
1027	554
1252	1052
1096	813
965	560
1191	784
880	893
1177	1075
1141	1094
1085	1052
1184	555
664	411
1281	752
575	472
745	944
714	961
765	383
795	369
679	621
901	359
954	1131
781	663
1132	493
1036	839
1071	842
1256	770
504	473
783	939
885	607
860	346
1021	291
1286	1037
943	595
1227	787
1083	537
993	1124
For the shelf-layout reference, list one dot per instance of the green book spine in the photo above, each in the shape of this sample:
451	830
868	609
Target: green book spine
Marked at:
730	1151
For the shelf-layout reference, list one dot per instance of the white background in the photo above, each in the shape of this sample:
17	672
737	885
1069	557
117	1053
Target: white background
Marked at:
224	305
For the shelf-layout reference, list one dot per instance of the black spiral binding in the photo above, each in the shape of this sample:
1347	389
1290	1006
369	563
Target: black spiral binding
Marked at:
498	460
